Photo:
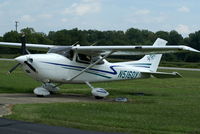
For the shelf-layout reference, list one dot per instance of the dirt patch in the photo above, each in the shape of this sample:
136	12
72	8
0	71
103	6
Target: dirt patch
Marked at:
8	100
5	109
25	98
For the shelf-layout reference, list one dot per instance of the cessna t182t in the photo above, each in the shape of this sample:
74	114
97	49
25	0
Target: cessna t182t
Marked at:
87	64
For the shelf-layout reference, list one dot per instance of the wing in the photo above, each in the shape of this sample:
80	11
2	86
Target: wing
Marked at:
10	44
131	50
157	48
5	59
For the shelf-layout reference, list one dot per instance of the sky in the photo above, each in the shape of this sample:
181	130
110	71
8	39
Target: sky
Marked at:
53	15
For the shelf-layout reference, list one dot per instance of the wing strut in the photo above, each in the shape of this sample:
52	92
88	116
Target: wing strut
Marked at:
91	65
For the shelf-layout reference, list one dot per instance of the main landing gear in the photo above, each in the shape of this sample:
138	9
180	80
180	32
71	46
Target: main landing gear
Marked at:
99	93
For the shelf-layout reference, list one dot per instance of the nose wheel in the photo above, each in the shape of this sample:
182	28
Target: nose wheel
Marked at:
41	92
45	90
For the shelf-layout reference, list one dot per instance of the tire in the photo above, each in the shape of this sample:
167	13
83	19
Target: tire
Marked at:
40	96
98	97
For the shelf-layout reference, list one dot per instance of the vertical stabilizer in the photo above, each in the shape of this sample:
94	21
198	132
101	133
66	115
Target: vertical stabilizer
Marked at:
151	61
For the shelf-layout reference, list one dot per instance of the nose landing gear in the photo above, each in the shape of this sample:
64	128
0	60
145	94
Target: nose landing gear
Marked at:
45	89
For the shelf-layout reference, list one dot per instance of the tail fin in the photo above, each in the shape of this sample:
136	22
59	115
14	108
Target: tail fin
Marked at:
152	61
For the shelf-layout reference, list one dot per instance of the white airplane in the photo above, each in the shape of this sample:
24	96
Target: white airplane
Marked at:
87	64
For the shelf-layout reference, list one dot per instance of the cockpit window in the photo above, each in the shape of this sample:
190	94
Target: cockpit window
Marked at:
65	51
81	58
87	59
69	54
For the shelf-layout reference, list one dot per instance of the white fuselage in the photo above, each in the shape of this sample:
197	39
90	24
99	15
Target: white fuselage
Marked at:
53	67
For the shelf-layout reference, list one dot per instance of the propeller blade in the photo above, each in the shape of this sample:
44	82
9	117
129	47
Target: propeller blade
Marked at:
12	69
23	47
31	67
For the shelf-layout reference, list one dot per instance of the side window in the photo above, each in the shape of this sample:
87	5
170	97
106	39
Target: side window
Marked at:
83	58
87	59
95	58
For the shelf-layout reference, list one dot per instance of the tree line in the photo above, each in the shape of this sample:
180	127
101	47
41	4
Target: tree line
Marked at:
131	36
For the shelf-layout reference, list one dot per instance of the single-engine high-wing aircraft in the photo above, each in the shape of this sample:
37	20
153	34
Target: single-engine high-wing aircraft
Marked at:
87	64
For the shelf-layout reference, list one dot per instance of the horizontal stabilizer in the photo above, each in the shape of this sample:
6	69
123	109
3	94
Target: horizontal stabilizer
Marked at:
163	74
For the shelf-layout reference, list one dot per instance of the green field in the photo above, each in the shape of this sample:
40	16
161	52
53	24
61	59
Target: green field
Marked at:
166	105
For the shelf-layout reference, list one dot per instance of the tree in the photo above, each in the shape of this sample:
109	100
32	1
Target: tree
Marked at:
68	37
11	36
148	37
192	57
35	37
140	37
131	36
194	40
134	36
60	37
175	38
28	31
162	34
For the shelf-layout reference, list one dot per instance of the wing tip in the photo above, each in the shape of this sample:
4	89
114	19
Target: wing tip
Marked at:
187	48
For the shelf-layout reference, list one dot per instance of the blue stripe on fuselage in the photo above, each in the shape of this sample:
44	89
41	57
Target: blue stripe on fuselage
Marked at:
114	72
144	65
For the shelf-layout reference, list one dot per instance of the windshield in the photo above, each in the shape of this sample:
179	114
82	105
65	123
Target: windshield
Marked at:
65	51
81	58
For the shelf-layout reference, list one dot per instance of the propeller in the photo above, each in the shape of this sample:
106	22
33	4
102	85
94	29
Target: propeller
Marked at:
13	68
20	59
30	66
23	47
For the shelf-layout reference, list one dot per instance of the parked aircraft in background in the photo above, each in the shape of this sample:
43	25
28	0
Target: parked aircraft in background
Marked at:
87	64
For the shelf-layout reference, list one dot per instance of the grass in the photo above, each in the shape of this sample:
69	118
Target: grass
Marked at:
16	82
10	56
166	106
180	64
153	117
